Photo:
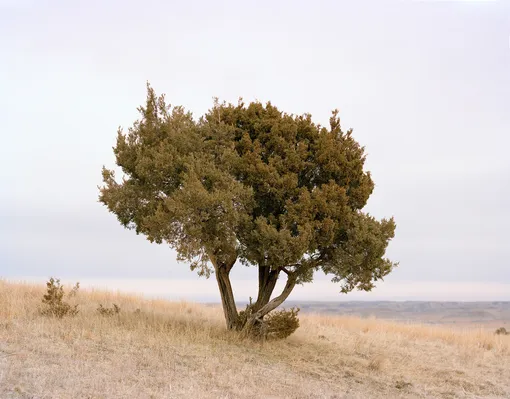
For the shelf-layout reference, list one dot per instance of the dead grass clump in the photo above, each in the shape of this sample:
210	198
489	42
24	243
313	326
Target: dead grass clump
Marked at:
115	309
501	331
377	363
401	384
54	300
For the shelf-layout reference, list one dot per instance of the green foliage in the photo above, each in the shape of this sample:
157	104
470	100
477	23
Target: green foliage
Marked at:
115	310
251	183
54	300
281	323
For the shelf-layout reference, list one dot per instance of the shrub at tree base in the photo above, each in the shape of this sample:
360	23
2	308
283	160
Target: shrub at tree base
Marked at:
278	324
54	300
281	323
251	185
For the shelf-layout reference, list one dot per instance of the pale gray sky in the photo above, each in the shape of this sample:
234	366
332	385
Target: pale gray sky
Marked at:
425	86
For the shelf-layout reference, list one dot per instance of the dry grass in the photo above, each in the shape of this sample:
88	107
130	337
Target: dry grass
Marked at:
181	350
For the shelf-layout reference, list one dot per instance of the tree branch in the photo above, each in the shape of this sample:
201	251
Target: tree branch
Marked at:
274	303
313	262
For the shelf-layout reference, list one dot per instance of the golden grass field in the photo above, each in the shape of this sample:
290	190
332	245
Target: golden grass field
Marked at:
182	350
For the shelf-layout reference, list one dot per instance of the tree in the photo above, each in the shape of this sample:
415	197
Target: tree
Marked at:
250	184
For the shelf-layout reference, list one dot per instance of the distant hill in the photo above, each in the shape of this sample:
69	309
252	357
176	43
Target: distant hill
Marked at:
483	313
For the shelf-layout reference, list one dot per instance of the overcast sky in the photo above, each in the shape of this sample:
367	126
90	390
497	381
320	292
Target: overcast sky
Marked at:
425	86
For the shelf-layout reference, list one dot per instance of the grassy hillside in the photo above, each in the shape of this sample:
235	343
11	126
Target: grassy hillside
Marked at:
160	349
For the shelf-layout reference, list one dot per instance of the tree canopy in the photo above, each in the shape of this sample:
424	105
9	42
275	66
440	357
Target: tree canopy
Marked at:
249	183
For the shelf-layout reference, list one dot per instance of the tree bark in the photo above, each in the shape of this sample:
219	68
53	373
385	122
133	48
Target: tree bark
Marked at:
274	303
227	296
257	316
267	282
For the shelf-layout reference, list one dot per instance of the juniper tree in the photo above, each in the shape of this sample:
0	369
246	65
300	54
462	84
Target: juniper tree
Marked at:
249	184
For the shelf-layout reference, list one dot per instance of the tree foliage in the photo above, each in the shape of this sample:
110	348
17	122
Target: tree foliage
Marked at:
249	183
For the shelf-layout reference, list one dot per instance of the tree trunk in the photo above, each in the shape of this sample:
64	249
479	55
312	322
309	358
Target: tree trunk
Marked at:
273	304
257	316
227	297
267	282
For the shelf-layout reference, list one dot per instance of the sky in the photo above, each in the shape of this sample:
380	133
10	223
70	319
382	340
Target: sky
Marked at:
425	85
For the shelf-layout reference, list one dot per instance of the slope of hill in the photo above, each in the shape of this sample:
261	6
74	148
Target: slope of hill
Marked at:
460	314
160	349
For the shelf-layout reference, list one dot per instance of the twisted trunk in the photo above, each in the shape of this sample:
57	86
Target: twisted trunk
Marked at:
267	282
256	317
222	272
263	305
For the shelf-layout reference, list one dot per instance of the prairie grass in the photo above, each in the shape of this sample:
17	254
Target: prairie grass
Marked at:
162	349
